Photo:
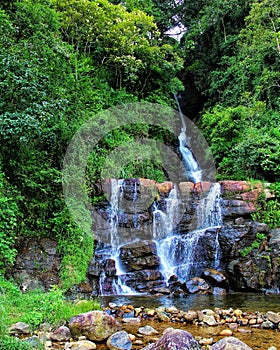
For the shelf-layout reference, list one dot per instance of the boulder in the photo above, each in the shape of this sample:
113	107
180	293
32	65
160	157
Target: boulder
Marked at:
230	343
273	317
215	278
19	328
119	341
61	334
175	339
197	285
95	325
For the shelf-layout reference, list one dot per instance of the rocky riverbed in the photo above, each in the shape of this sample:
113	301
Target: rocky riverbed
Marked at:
126	327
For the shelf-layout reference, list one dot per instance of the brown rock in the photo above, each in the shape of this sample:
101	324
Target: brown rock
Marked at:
226	333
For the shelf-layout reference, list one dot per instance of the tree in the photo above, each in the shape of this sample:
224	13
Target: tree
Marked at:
125	45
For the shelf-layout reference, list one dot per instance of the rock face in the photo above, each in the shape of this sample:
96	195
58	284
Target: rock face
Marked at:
37	264
95	325
230	343
175	339
139	255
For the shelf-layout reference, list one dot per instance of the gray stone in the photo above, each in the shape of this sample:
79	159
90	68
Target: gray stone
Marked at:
147	330
273	317
19	328
230	343
119	341
267	325
209	320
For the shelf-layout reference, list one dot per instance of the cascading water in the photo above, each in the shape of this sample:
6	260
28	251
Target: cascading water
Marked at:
193	170
163	222
189	254
112	252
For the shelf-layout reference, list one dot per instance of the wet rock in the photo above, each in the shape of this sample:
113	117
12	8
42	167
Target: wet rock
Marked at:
162	316
209	320
147	330
175	339
253	273
110	267
19	328
61	334
196	285
119	341
140	255
190	315
215	278
230	343
267	325
236	207
145	281
95	325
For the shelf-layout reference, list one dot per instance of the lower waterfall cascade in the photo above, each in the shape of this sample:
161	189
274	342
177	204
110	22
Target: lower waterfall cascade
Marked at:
184	254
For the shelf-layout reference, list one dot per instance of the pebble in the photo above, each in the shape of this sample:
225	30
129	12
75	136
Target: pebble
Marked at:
226	333
147	330
131	320
242	330
206	341
138	342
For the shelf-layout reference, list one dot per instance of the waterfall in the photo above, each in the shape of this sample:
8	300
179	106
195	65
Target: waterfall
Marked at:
164	221
209	211
112	252
193	170
189	254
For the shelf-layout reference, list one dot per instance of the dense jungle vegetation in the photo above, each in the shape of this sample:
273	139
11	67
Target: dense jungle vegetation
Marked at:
62	61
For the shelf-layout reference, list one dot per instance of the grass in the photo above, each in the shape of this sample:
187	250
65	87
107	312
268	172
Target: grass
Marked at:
34	308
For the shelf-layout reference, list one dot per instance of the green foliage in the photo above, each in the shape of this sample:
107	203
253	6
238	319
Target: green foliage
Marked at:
124	44
9	214
75	245
255	245
245	141
12	343
269	210
36	307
